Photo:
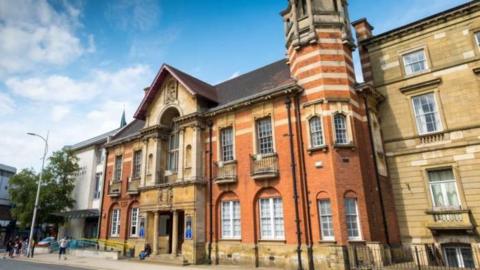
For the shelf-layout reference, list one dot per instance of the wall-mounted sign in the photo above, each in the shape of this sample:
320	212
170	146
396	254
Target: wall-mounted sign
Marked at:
188	227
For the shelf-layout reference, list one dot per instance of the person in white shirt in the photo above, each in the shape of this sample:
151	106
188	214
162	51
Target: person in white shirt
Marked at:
63	243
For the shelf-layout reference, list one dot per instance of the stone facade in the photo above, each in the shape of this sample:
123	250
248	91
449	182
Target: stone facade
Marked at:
435	213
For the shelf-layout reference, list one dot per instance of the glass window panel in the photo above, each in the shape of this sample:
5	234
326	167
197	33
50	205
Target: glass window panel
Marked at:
326	220
264	136
226	139
352	218
415	62
443	188
316	135
340	123
426	114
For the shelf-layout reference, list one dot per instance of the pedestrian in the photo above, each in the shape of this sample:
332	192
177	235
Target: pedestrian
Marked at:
25	247
10	248
63	248
17	246
145	252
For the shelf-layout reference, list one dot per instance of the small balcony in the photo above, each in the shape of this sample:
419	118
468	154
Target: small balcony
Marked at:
226	172
264	166
133	186
114	189
449	220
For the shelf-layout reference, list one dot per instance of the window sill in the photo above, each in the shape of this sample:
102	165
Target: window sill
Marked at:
323	148
230	240
344	146
271	241
357	241
327	242
136	178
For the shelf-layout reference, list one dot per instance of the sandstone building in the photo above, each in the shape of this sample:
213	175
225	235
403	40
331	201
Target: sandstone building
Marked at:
427	73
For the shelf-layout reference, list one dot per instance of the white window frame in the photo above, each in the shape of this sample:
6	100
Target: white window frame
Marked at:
137	161
115	223
173	152
134	221
347	133
321	215
443	189
258	133
224	147
230	216
353	238
459	255
476	36
275	236
98	186
117	173
436	112
316	132
405	64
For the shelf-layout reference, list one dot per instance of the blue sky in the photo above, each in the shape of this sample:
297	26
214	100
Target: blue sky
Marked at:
72	66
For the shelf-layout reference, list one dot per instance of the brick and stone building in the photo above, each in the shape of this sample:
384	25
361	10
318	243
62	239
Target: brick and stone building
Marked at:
7	224
427	73
272	168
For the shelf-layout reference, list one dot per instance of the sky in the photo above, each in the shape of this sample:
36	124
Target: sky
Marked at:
71	67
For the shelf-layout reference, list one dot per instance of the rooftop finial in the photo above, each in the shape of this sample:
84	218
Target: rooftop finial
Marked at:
123	121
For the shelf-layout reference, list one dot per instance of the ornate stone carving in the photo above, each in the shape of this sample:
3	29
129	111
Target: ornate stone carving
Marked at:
171	91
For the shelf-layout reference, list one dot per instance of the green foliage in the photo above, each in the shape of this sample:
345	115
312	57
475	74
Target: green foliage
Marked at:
58	182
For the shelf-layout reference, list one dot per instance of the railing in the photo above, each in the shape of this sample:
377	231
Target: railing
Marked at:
264	166
225	172
415	257
431	138
133	186
114	189
449	219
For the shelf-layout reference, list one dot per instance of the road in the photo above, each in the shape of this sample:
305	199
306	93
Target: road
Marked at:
9	264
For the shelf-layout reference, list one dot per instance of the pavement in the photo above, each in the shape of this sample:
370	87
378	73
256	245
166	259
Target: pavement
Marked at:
51	261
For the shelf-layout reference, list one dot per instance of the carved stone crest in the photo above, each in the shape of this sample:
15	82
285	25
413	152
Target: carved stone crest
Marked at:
171	91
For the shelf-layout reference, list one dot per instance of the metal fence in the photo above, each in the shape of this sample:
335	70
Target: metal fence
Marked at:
421	257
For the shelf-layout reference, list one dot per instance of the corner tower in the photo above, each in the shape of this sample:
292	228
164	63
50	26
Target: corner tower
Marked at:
337	154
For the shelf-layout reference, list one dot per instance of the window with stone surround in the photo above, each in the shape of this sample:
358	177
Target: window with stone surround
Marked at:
134	221
477	38
326	220
352	218
264	136
271	219
117	176
226	144
443	188
415	62
173	144
115	223
231	225
137	164
316	133
460	256
427	115
341	132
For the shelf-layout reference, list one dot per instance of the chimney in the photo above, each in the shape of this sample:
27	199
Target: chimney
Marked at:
363	29
145	90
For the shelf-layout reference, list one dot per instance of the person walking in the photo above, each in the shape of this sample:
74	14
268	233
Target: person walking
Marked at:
32	248
63	248
10	248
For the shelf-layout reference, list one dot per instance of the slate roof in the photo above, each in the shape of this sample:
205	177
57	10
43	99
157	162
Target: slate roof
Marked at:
131	130
250	84
100	139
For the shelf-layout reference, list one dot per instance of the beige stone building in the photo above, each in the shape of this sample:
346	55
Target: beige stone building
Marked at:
428	74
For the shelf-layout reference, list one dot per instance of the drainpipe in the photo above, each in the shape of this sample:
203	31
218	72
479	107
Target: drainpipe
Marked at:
377	176
288	104
210	188
303	180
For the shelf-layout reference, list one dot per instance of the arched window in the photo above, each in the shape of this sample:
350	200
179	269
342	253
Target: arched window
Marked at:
271	219
352	217
316	136
115	223
134	221
341	134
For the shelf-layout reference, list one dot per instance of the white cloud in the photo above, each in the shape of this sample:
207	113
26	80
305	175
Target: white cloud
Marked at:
133	15
33	33
57	88
7	104
59	112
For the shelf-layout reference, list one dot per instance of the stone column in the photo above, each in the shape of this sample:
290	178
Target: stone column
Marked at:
156	218
196	154
175	233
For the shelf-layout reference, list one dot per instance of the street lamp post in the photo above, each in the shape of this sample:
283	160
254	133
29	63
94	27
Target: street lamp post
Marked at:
37	198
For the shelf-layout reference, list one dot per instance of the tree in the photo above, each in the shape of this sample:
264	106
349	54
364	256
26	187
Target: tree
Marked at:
58	182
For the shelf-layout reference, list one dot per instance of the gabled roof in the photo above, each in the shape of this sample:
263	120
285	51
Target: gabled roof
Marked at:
193	85
130	131
100	139
250	84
